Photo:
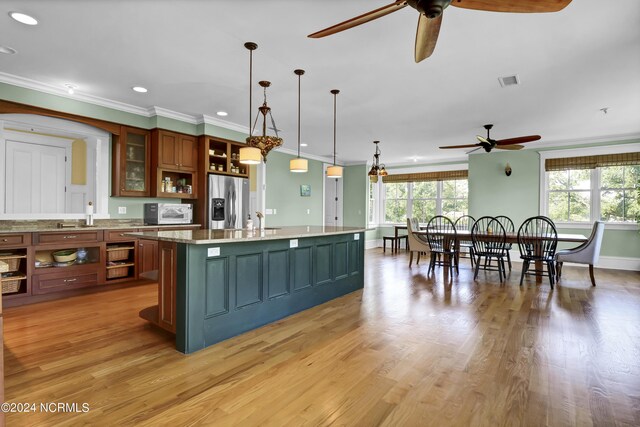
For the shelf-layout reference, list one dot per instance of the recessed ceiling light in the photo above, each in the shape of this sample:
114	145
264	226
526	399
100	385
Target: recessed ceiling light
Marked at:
140	89
70	88
506	81
23	18
222	113
8	50
304	145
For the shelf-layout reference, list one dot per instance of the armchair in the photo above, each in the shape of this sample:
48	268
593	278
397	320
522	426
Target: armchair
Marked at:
586	253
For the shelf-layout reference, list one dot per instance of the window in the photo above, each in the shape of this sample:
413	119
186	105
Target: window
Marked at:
603	185
424	200
619	187
396	195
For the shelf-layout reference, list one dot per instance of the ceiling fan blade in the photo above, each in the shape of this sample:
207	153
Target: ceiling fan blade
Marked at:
510	147
361	19
483	139
513	6
469	152
427	36
445	147
518	140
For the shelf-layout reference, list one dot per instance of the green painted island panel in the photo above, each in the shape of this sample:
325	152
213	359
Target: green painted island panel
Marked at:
250	284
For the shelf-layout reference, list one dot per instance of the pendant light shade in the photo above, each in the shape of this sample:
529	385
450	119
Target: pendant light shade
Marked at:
298	165
334	171
250	155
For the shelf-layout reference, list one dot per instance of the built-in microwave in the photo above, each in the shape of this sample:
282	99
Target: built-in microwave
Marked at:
168	213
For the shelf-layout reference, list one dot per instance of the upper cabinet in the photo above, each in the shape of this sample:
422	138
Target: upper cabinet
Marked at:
176	151
131	158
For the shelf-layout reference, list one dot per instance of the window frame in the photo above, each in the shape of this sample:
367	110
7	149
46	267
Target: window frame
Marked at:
596	180
380	198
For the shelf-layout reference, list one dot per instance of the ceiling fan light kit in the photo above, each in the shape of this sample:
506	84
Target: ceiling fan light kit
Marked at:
507	170
432	11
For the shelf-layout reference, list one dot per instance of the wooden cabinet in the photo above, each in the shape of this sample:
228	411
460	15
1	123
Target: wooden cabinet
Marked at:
63	281
15	252
131	159
167	285
223	157
175	165
176	151
147	256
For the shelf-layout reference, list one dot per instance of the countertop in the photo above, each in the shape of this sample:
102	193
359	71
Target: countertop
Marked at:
205	237
37	226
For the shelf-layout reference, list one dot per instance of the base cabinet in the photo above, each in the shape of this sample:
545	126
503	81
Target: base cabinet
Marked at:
62	281
167	285
147	256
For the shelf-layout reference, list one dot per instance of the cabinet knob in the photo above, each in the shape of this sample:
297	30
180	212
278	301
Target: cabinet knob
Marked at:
5	240
69	280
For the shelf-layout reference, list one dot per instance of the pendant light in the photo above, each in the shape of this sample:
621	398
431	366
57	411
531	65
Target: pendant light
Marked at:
298	164
250	155
334	171
377	169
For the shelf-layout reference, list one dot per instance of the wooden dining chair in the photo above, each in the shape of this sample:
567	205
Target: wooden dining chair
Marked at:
586	253
465	222
416	242
441	236
537	242
489	241
508	226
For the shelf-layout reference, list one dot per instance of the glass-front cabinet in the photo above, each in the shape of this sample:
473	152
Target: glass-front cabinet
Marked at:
131	163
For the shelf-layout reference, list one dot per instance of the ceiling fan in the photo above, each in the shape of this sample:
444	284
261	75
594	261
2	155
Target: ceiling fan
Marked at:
431	16
489	144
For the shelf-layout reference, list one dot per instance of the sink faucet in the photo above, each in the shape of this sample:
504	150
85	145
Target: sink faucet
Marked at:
259	216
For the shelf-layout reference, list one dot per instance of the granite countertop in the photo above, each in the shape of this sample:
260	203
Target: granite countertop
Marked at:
46	225
205	237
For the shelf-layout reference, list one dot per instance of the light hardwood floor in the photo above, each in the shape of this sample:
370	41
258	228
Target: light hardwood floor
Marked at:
408	350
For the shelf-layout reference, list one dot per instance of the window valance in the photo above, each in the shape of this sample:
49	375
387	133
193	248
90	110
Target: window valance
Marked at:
592	162
426	176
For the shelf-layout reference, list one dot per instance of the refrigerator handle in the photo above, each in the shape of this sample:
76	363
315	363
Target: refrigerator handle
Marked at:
233	207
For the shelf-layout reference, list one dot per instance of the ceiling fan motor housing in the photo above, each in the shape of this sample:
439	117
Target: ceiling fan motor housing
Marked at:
430	8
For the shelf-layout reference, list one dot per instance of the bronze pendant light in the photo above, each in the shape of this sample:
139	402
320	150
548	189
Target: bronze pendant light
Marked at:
377	169
298	164
334	171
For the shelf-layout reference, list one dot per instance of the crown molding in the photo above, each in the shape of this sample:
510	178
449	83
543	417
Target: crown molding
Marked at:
214	121
623	138
435	162
169	114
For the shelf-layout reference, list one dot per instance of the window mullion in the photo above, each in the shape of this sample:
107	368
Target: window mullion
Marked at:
595	194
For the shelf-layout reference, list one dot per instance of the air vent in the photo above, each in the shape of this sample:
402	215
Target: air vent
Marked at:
509	80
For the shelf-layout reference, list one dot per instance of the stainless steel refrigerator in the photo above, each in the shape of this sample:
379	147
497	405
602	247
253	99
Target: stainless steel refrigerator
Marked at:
228	201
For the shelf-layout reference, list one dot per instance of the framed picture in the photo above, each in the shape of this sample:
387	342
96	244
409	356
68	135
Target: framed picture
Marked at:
305	190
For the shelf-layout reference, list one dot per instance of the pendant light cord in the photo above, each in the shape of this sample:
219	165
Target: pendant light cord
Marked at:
335	96
299	75
250	91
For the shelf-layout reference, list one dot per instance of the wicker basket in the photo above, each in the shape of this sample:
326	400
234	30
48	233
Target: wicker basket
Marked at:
12	261
11	285
118	253
117	272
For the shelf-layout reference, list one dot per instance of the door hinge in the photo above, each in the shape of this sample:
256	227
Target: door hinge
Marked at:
336	218
65	158
336	199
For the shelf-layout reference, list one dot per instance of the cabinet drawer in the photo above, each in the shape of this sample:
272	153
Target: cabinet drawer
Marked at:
69	237
14	239
115	235
56	282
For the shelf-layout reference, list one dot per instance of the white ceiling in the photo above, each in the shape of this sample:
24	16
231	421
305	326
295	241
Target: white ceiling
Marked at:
190	56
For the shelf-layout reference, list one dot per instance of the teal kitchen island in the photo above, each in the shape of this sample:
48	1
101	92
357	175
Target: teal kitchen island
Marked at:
215	284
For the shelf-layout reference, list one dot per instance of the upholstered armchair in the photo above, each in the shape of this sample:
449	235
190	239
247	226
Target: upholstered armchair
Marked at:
416	242
586	253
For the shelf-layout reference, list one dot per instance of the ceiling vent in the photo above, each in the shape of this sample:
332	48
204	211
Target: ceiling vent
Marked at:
509	80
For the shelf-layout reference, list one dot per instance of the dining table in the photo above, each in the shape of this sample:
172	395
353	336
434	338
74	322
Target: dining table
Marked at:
465	236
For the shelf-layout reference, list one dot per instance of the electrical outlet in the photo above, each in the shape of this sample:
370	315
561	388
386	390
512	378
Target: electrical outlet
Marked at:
308	211
213	251
293	243
122	210
268	211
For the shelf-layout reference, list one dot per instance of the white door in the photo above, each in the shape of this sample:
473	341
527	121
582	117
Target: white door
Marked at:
332	200
35	178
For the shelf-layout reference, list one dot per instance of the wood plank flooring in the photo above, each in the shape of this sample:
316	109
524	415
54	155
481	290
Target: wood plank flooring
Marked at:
408	350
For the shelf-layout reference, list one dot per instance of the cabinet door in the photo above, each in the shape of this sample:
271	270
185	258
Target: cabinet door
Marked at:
131	163
147	256
168	150
167	285
188	158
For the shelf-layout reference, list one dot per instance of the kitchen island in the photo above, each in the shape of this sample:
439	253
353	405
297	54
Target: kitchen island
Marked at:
215	284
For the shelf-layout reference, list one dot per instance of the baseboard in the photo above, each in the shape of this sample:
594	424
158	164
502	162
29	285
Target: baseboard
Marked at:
371	244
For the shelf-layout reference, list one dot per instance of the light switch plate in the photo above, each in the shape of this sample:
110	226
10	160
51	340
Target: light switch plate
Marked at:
213	251
122	209
356	236
268	211
293	243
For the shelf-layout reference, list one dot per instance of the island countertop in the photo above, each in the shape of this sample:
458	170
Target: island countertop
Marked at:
205	237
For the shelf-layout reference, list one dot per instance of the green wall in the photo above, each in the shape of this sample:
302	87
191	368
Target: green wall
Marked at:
355	187
283	192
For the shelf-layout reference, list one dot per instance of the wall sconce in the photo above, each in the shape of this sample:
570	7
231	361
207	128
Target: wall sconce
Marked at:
507	170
